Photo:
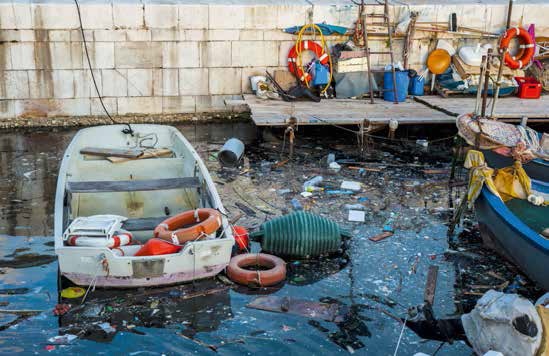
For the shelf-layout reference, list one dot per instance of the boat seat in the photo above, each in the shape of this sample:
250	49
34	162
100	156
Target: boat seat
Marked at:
132	185
143	224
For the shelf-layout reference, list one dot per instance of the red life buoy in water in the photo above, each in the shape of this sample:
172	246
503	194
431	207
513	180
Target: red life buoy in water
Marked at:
306	45
526	48
275	274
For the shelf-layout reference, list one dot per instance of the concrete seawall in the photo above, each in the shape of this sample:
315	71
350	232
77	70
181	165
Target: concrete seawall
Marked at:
171	57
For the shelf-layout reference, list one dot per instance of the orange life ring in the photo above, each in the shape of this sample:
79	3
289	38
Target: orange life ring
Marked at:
526	48
274	275
306	45
189	225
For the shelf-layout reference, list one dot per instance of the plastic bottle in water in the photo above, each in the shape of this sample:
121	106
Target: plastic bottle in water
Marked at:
296	204
312	182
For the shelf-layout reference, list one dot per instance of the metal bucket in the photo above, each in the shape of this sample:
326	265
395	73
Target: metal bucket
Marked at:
231	152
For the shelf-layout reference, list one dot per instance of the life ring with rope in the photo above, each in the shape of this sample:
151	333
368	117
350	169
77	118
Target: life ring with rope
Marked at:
120	239
526	48
300	46
189	225
275	273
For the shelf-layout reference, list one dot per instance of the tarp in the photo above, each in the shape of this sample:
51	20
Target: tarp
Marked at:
502	322
508	183
326	29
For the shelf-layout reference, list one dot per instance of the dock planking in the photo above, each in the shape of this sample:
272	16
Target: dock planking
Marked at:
506	107
422	110
342	112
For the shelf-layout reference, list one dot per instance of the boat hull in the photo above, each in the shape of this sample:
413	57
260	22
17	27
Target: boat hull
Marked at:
511	238
101	266
536	169
83	279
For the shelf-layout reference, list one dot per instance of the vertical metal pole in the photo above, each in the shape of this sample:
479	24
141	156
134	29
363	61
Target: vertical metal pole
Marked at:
367	47
479	87
501	60
486	83
389	32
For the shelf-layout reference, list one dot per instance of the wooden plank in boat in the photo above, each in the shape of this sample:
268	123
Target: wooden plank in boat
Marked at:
149	153
112	152
132	185
143	224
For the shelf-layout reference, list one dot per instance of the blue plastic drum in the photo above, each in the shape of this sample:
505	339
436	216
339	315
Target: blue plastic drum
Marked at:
402	82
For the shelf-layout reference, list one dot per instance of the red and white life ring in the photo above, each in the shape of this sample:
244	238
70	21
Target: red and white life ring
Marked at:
121	239
527	48
307	45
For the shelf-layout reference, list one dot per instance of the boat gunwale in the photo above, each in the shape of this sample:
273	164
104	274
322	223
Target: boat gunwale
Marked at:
502	211
62	181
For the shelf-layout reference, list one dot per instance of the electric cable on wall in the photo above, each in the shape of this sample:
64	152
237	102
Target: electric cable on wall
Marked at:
127	130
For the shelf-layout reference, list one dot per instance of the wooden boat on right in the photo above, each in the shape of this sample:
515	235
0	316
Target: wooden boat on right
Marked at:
514	229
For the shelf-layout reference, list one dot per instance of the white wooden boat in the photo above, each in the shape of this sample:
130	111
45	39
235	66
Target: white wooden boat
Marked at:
146	191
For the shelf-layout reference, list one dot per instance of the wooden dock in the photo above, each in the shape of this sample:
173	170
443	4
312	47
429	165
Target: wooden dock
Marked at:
423	110
506	108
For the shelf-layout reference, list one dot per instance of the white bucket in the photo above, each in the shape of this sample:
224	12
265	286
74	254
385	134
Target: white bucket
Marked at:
255	79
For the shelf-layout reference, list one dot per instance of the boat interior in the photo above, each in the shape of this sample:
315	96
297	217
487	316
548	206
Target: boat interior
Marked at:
535	217
146	191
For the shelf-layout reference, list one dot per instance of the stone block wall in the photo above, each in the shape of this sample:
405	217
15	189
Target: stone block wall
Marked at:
179	57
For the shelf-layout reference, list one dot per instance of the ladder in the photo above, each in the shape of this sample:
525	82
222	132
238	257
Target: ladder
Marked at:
387	23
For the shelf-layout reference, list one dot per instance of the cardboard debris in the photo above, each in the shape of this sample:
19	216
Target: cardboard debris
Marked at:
308	309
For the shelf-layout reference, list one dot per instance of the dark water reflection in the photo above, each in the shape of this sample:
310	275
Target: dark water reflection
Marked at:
366	279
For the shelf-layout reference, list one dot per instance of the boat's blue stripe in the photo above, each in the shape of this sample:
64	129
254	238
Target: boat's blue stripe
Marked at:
540	186
514	222
541	161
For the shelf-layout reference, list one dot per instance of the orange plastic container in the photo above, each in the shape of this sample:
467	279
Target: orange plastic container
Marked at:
529	88
241	237
155	247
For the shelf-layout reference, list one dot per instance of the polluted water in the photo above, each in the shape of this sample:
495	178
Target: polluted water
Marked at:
352	301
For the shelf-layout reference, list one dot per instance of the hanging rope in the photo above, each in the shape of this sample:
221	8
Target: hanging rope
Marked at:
299	59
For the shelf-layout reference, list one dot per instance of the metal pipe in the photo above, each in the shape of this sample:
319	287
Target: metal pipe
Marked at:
479	90
501	60
486	83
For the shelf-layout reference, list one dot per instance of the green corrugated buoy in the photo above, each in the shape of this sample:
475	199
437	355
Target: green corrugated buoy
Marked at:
300	235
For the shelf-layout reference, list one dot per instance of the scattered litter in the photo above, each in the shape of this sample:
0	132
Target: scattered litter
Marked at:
309	309
340	192
296	204
306	194
283	191
354	207
331	158
61	309
313	182
62	339
381	236
287	328
350	185
334	166
73	292
357	215
422	143
106	327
